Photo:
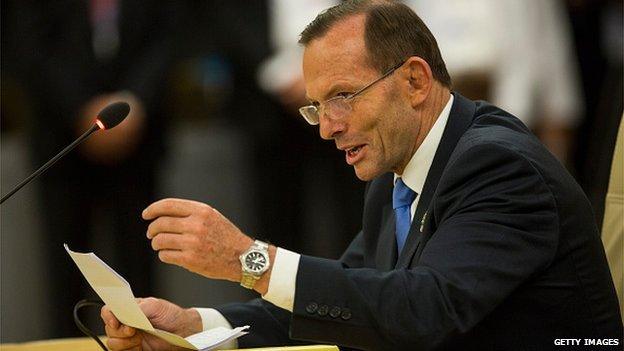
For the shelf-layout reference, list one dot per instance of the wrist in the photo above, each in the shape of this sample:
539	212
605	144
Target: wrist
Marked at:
262	285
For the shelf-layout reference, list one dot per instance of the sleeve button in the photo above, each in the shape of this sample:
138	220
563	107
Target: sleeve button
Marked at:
311	307
335	312
346	314
323	310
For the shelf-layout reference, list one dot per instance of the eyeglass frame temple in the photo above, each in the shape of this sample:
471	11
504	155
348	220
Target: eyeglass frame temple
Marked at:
389	72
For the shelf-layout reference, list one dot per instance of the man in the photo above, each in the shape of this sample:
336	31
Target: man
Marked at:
501	253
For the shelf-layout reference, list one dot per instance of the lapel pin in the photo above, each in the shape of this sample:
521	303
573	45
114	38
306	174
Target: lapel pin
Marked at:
422	221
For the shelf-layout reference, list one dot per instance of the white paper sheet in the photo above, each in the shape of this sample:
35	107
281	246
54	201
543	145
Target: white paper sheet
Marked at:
115	291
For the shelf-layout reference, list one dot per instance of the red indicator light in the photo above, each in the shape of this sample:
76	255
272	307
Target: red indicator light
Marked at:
100	124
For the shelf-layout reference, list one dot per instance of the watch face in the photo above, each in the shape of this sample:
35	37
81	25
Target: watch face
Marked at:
255	261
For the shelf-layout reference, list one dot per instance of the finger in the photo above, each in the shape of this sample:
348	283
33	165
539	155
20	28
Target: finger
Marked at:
171	207
175	225
172	257
146	301
108	317
169	241
123	331
130	343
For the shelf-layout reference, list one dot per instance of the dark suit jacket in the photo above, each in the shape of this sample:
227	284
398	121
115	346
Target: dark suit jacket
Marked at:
503	254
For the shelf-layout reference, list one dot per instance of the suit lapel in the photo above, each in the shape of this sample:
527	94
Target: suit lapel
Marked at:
460	118
386	255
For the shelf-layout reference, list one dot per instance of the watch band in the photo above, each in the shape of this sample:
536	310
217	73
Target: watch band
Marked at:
249	280
260	245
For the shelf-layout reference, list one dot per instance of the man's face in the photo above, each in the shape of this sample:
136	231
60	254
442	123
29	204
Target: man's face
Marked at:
379	134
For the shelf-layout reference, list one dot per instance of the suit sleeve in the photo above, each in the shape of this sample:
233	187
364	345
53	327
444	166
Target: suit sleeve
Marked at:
269	323
353	256
495	224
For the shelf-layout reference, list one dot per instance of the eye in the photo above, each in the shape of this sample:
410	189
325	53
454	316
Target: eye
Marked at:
343	94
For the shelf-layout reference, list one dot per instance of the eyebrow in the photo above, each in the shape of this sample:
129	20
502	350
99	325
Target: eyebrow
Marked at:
331	93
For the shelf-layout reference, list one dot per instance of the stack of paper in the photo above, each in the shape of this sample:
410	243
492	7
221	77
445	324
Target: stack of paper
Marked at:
115	291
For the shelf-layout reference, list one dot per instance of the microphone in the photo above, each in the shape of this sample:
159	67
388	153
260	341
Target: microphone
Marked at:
107	118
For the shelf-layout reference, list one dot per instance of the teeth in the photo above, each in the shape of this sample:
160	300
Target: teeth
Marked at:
354	150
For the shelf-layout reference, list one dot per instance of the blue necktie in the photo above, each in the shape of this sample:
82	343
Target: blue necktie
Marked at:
402	198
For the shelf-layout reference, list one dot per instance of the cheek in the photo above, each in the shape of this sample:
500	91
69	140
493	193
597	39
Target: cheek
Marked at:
384	130
392	136
371	123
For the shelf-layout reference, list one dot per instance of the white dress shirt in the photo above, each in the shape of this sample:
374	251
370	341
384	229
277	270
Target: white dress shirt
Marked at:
282	286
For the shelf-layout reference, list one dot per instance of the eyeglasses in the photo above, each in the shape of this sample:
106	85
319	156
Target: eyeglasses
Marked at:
338	106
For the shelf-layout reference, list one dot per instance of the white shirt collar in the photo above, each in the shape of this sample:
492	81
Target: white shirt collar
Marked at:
415	172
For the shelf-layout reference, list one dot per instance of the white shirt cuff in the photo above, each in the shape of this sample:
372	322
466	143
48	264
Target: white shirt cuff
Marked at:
281	290
212	318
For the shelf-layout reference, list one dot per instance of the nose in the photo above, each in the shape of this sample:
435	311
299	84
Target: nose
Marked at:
330	128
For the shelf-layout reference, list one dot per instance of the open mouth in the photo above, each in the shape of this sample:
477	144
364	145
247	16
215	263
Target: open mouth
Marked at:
352	152
355	154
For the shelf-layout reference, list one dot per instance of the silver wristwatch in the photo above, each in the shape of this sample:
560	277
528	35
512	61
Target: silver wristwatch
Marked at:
254	262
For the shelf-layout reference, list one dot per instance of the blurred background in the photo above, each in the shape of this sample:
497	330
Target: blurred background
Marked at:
214	88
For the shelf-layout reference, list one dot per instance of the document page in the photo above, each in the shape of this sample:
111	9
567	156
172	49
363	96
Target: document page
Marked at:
115	291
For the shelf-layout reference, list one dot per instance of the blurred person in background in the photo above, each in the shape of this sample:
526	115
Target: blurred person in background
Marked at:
517	54
597	26
82	56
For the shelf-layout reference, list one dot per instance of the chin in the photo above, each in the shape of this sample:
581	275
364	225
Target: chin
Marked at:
365	173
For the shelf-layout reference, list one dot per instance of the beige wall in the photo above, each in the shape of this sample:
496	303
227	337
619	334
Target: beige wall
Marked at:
613	224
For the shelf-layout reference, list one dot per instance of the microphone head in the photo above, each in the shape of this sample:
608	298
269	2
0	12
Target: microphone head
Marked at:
112	115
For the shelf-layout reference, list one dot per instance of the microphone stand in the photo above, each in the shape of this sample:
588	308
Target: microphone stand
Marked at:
47	165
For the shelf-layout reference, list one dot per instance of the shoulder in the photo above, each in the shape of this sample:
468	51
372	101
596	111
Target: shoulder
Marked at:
496	135
492	125
498	151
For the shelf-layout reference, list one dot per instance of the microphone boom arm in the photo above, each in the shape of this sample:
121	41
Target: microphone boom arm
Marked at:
47	165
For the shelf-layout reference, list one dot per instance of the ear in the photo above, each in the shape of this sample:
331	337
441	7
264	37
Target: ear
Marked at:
417	73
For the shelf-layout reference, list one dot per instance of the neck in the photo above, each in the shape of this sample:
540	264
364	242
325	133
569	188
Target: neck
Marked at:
432	109
429	113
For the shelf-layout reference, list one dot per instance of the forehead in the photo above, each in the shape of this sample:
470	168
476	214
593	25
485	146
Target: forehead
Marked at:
338	57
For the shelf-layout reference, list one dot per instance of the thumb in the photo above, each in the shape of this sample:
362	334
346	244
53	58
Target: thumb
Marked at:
150	307
161	313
